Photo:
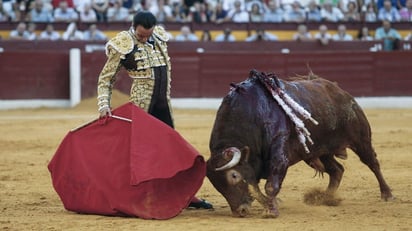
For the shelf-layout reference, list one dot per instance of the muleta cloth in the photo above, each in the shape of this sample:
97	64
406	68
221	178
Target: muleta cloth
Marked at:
141	168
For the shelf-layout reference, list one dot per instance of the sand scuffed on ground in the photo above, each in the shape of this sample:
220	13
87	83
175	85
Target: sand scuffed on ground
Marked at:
28	201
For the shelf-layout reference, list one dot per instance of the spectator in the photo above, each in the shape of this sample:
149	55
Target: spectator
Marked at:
389	12
302	33
226	36
5	15
78	5
286	5
178	13
364	35
370	13
9	11
64	13
186	35
388	35
40	13
135	6
87	14
323	35
398	4
162	11
117	13
230	4
295	14
313	12
406	12
343	5
31	29
342	35
273	13
331	13
48	5
72	33
100	7
218	14
364	4
22	9
238	14
94	34
8	5
49	33
147	5
261	35
255	14
206	36
351	14
198	13
20	33
249	3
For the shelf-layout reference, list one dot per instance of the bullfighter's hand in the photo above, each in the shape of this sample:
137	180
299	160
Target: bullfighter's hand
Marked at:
105	112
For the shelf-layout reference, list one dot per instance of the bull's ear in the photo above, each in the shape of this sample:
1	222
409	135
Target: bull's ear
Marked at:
245	153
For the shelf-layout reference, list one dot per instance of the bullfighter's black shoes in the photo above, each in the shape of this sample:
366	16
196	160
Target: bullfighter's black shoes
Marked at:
200	204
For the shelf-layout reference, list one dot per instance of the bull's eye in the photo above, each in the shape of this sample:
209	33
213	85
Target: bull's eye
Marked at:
233	177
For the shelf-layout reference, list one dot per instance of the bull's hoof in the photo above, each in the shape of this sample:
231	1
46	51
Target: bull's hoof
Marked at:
386	194
270	213
388	198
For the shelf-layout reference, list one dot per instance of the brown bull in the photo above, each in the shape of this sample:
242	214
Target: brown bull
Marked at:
264	125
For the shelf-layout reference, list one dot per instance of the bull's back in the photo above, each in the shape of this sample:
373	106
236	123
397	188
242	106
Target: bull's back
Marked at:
323	98
341	120
318	92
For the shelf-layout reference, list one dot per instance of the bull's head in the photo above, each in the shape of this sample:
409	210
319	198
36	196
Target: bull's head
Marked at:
232	175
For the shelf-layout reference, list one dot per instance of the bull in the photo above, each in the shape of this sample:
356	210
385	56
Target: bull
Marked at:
265	124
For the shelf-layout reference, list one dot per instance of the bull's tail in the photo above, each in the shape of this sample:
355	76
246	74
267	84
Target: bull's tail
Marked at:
311	75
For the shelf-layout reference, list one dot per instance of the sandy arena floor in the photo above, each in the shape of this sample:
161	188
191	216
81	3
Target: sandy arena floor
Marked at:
28	201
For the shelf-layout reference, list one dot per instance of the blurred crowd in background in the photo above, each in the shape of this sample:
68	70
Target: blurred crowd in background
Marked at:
92	12
205	11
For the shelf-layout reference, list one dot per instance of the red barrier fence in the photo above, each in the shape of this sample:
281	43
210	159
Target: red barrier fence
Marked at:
41	71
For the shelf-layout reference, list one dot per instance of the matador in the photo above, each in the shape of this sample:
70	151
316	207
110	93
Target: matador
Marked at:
146	59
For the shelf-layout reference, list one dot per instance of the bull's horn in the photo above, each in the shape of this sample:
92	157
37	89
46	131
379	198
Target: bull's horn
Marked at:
234	161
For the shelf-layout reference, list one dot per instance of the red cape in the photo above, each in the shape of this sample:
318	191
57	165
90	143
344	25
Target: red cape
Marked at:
141	168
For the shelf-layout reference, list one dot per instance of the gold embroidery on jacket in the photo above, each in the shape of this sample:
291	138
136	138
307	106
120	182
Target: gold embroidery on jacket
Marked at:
141	92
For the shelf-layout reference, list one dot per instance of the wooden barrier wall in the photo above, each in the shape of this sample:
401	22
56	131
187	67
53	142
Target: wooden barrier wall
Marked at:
28	73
